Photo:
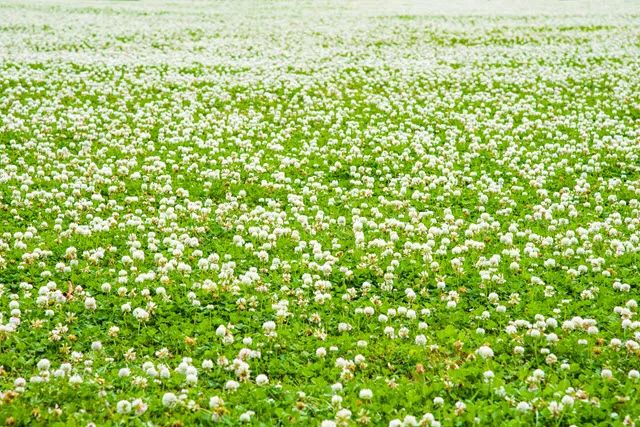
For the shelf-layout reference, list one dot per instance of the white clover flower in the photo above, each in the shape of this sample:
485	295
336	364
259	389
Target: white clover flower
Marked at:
191	379
567	400
141	314
169	400
231	385
555	408
409	420
269	326
123	407
245	417
343	416
75	379
90	303
164	372
485	352
215	402
366	394
44	365
139	406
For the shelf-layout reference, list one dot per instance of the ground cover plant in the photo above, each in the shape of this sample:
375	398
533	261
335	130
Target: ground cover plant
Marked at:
319	213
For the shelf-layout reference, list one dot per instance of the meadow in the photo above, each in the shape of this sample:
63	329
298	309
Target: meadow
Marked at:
330	213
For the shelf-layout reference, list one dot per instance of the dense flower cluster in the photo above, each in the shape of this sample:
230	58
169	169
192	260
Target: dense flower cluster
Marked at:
319	213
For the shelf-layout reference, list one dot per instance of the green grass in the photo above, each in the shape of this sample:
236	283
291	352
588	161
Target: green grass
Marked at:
470	179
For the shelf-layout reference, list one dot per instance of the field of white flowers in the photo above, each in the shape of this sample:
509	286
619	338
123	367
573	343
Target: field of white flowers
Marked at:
319	213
